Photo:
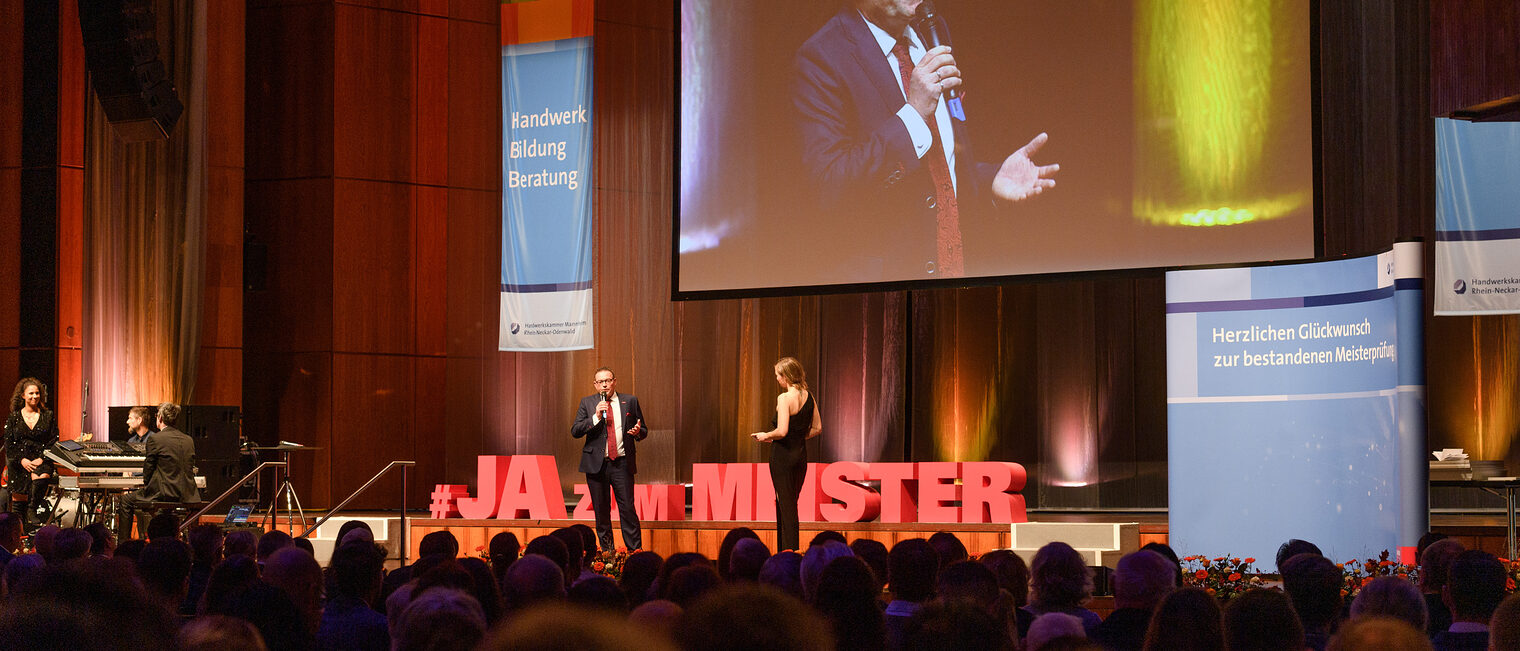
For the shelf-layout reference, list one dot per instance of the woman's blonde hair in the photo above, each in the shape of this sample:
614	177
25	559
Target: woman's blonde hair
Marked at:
791	370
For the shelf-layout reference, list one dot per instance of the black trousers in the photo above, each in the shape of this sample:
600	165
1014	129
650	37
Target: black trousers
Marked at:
788	472
616	478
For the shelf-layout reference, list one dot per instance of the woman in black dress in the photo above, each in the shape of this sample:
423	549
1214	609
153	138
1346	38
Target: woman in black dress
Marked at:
797	420
29	430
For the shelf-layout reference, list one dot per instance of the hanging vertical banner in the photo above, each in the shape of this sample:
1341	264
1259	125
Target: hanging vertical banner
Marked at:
1295	407
546	247
1477	217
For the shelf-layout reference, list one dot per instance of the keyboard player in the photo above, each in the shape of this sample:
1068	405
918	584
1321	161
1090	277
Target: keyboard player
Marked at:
168	471
137	425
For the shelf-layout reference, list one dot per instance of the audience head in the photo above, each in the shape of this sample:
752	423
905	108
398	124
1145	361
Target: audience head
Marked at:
640	570
229	579
847	598
164	566
1012	574
441	618
553	549
675	562
71	544
438	543
818	557
690	583
533	578
950	549
95	603
1504	626
304	544
129	549
1293	548
969	582
1313	584
1425	542
1380	633
600	593
163	525
568	627
575	553
783	571
1187	619
912	564
827	535
298	575
726	549
503	551
240	542
352	525
1168	553
279	620
1474	586
588	542
273	541
18	569
10	531
42	541
1435	563
746	559
744	617
876	556
657	615
1390	596
485	589
1058	578
206	544
357	569
953	626
1142	578
102	541
219	633
1262	620
1050	627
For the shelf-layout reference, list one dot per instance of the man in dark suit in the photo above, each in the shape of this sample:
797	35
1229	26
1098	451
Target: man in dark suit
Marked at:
168	469
610	461
887	153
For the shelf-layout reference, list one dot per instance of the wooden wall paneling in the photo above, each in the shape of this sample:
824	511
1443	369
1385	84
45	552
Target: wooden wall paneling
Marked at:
469	10
474	133
707	354
11	63
72	82
289	104
375	93
218	376
10	262
463	436
430	256
441	416
222	295
634	112
294	220
474	233
373	228
289	397
502	439
374	422
11	52
432	113
225	76
547	392
651	14
66	395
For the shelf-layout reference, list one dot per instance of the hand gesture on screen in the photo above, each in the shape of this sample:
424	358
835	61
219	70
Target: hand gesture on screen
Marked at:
1020	178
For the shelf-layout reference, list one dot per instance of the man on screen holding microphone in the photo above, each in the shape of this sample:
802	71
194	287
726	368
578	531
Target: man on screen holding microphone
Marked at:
611	423
883	134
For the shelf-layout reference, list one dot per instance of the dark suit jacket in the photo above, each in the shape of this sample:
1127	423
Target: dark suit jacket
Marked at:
861	158
169	471
595	433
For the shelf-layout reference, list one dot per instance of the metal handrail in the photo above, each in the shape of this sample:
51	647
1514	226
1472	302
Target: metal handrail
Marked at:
336	509
190	522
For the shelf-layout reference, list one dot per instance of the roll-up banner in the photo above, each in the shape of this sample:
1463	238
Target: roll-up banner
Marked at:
1477	217
1295	407
546	244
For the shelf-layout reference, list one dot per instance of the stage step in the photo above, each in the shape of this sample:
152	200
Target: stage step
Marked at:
1100	543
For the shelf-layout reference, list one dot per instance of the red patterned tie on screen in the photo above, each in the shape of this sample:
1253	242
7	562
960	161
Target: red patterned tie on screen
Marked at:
946	210
611	433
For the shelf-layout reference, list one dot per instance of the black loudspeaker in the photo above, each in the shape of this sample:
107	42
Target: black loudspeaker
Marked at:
216	430
121	49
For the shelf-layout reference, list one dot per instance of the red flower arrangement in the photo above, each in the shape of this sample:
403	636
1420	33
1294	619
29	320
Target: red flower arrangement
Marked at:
1225	577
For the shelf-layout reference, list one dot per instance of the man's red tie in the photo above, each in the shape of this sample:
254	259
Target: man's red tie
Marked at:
611	432
946	210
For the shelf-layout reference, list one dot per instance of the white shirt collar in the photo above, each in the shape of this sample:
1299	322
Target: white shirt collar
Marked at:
887	41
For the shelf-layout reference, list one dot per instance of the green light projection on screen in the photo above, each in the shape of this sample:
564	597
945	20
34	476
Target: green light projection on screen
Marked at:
1207	97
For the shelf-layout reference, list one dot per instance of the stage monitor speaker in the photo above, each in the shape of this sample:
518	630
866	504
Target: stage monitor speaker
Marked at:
121	50
216	431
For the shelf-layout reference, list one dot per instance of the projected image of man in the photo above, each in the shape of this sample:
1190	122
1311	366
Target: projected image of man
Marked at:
884	140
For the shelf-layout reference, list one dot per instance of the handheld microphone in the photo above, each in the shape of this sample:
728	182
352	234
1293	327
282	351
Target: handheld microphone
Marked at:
937	33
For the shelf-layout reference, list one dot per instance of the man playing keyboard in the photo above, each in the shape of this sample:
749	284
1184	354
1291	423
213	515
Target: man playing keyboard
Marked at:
168	471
